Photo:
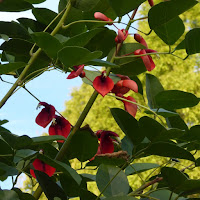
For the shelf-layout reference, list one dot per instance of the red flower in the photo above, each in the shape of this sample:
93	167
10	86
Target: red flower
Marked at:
122	35
78	71
124	85
43	167
103	84
151	3
46	115
129	107
147	60
140	39
60	126
102	17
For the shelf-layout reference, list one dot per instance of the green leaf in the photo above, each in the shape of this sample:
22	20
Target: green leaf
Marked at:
91	75
71	56
83	38
162	112
150	128
173	177
171	31
35	1
24	154
169	150
128	125
45	16
189	187
48	43
181	45
111	160
176	122
164	195
10	67
127	145
103	41
140	167
50	188
83	146
13	6
8	195
103	63
35	26
5	149
47	139
13	30
85	5
192	42
123	7
118	186
8	171
176	99
3	122
153	87
163	12
23	196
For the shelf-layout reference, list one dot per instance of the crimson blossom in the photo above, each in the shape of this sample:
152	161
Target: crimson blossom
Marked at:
78	71
43	167
147	59
122	35
60	126
103	84
102	17
46	115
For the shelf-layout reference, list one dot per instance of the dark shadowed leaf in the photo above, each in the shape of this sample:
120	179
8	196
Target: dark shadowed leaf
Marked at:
175	99
150	128
176	122
127	145
169	150
139	167
164	195
153	87
49	44
173	177
171	31
35	1
23	196
99	62
192	42
123	7
13	6
83	146
189	187
10	67
121	198
71	56
83	38
50	188
85	5
165	11
8	171
181	45
128	125
8	195
13	30
118	186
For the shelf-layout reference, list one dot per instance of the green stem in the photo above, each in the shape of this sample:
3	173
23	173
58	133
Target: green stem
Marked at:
33	58
85	20
78	124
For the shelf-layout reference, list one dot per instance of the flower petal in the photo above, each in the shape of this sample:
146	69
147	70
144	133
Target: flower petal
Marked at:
151	3
61	126
140	39
41	166
103	85
129	107
130	84
46	115
102	17
146	60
